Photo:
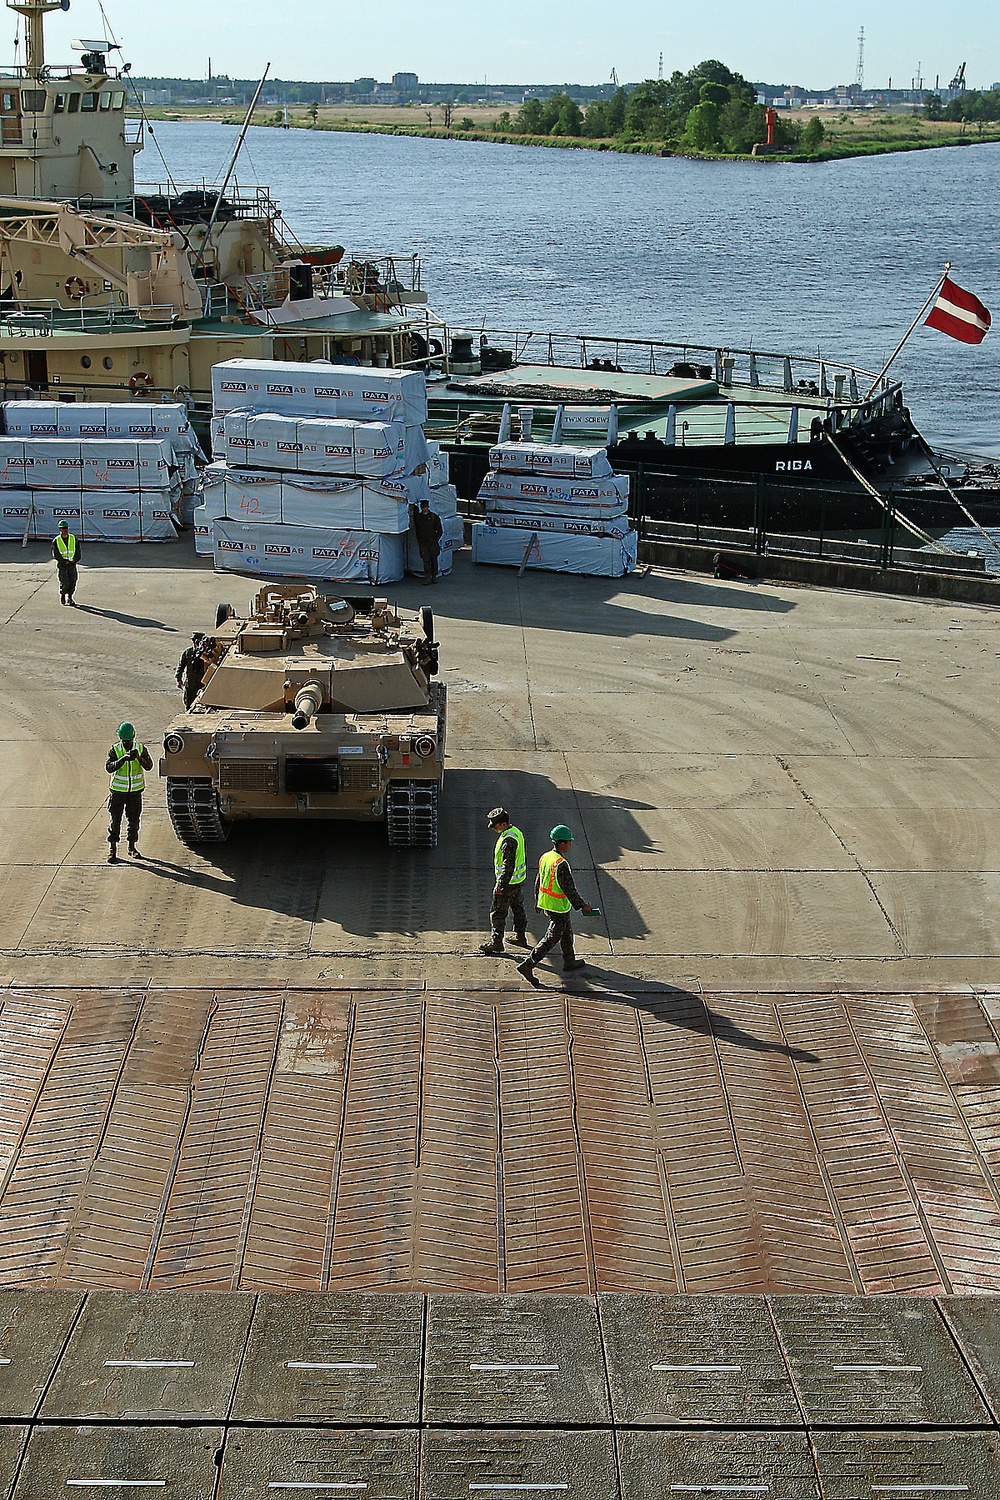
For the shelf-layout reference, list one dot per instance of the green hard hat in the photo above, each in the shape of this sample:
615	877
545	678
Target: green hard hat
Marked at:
560	834
126	731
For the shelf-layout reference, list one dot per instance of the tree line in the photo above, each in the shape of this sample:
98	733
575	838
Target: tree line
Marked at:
708	109
971	108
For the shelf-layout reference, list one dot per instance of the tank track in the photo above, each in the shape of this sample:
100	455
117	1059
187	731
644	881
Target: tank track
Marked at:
195	813
411	814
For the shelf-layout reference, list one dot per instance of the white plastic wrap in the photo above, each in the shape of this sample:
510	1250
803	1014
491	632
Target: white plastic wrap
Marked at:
15	513
614	526
97	463
550	458
131	420
444	500
251	497
320	390
155	524
314	445
557	552
109	517
415	563
308	552
202	522
438	466
531	494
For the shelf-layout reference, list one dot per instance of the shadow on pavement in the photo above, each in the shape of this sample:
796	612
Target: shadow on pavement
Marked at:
141	622
678	1008
345	877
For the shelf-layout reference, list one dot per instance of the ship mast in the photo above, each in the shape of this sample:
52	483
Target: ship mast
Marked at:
34	11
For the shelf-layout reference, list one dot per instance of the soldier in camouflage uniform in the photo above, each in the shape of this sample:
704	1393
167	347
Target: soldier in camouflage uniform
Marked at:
510	872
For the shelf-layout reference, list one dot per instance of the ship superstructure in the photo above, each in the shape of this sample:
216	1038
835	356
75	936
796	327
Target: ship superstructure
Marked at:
109	291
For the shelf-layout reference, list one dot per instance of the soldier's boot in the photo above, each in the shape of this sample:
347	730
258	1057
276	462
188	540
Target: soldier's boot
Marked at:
113	854
570	964
527	968
134	850
494	948
62	598
522	940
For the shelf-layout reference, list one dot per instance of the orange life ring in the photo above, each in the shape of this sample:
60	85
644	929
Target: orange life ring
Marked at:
141	384
76	289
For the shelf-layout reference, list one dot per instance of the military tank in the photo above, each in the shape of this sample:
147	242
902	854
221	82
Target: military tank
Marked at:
311	708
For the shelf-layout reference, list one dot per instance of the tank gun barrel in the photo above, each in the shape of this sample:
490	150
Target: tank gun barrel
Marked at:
308	702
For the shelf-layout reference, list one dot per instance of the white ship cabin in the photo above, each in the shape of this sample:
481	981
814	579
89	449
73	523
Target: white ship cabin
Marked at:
63	132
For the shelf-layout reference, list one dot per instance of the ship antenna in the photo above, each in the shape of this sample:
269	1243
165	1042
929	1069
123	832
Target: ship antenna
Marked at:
232	165
146	121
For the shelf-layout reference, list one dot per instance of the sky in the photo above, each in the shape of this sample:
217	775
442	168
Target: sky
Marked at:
543	41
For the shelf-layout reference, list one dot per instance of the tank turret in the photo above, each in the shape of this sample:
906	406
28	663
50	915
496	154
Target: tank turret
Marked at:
312	708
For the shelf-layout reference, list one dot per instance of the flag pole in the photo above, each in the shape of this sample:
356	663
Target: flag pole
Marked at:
892	357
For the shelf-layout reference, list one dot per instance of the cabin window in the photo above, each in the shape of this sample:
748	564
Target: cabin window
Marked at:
105	101
118	100
74	104
89	103
10	104
60	104
34	101
85	361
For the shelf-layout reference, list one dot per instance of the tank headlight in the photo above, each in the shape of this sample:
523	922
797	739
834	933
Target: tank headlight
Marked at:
173	744
424	746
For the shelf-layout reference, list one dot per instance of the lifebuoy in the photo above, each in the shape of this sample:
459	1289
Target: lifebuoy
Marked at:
76	289
141	384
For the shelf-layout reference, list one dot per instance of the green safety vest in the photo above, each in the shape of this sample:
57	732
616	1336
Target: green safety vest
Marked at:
520	867
67	548
550	892
128	775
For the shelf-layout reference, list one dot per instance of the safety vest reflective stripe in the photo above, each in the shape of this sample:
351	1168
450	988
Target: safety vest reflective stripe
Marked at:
520	867
67	548
551	896
128	775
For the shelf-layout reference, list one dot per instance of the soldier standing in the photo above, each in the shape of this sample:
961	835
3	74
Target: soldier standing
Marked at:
556	895
191	669
510	870
429	532
66	551
127	762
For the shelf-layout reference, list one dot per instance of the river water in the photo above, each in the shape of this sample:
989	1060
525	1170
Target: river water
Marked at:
837	256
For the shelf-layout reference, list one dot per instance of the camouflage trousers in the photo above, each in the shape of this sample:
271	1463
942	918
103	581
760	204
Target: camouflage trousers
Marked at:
512	900
559	930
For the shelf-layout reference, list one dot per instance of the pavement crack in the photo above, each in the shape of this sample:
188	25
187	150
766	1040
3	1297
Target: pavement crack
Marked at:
813	807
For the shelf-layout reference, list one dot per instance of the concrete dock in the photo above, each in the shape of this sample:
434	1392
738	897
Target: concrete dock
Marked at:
767	1115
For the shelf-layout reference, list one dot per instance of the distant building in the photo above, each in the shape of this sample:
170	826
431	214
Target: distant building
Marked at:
405	83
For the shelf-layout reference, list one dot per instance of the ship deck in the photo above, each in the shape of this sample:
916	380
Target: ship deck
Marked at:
762	413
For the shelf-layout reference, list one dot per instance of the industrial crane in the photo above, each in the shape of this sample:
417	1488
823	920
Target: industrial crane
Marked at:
957	84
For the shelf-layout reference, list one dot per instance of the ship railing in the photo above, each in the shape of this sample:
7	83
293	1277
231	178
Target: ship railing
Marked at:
45	317
135	134
793	422
56	71
758	369
378	276
240	202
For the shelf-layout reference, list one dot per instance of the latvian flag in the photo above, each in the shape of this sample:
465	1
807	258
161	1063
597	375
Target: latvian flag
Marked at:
959	314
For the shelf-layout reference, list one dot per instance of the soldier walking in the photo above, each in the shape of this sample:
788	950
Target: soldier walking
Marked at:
429	532
191	669
66	551
556	895
510	871
127	763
